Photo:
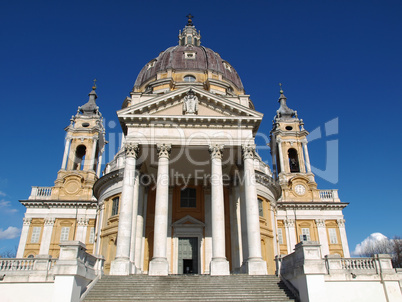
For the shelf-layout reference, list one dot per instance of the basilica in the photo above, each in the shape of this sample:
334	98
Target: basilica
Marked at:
187	193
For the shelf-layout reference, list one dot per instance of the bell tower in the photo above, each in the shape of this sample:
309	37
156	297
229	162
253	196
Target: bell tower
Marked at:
291	163
85	141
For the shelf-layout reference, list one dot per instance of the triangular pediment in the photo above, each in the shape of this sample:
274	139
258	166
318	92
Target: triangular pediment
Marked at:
171	104
188	221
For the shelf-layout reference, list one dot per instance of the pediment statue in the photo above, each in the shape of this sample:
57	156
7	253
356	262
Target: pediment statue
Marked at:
190	103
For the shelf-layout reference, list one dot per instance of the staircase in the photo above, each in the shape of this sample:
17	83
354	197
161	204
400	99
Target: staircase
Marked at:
189	288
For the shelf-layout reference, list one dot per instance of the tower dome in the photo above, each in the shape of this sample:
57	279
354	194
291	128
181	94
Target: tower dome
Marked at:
189	63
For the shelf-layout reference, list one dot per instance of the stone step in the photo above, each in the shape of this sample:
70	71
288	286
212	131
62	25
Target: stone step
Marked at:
189	288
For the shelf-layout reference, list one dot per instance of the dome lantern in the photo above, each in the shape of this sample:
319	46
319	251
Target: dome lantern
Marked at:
189	35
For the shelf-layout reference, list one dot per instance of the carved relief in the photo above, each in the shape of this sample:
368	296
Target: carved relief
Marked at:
49	221
164	150
216	151
289	223
320	223
26	221
83	221
341	222
190	103
248	151
131	150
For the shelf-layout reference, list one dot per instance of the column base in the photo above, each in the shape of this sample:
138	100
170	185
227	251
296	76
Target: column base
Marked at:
219	267
158	267
120	267
255	267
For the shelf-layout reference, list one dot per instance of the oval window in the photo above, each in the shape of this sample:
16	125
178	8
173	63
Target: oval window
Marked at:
289	128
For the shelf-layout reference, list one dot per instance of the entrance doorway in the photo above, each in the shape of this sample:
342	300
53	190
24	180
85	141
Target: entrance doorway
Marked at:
188	255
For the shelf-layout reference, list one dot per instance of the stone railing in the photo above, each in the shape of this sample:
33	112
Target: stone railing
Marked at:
35	269
41	193
16	264
333	278
358	263
329	195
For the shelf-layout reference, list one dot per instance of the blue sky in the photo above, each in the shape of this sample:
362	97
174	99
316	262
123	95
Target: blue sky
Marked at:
336	59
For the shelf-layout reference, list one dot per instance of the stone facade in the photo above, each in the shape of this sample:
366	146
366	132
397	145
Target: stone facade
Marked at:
187	192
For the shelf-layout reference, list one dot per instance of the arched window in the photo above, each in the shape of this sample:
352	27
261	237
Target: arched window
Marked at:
79	157
189	78
189	40
293	161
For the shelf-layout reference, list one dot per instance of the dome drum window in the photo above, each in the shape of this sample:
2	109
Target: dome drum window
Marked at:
189	79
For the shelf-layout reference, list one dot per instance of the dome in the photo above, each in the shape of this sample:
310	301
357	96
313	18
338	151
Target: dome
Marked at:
189	62
177	58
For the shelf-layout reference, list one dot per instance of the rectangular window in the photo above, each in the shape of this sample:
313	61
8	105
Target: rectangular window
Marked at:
260	207
115	206
305	234
92	235
188	198
333	239
35	234
64	233
280	236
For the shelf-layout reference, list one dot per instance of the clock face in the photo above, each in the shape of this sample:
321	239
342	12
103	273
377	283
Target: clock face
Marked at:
300	189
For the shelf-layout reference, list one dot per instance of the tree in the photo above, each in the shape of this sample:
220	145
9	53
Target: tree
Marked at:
393	247
9	253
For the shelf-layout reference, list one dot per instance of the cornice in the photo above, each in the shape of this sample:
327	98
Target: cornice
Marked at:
89	204
282	205
269	183
108	179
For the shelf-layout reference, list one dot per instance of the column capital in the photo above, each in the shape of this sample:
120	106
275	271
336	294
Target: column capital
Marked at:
164	150
320	223
83	221
26	221
304	141
49	221
341	222
248	151
289	223
216	150
131	150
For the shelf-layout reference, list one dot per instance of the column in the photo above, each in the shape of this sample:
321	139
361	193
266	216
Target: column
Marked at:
322	236
275	228
140	229
208	229
98	170
23	237
281	155
344	239
46	236
307	157
243	220
159	265
290	234
99	225
219	264
92	162
169	229
122	265
82	226
235	228
255	264
134	220
66	148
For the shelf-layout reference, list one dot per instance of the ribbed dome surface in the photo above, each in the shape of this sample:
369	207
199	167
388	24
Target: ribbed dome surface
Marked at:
175	58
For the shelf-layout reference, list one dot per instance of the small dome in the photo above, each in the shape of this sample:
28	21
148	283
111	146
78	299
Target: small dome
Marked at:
189	55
